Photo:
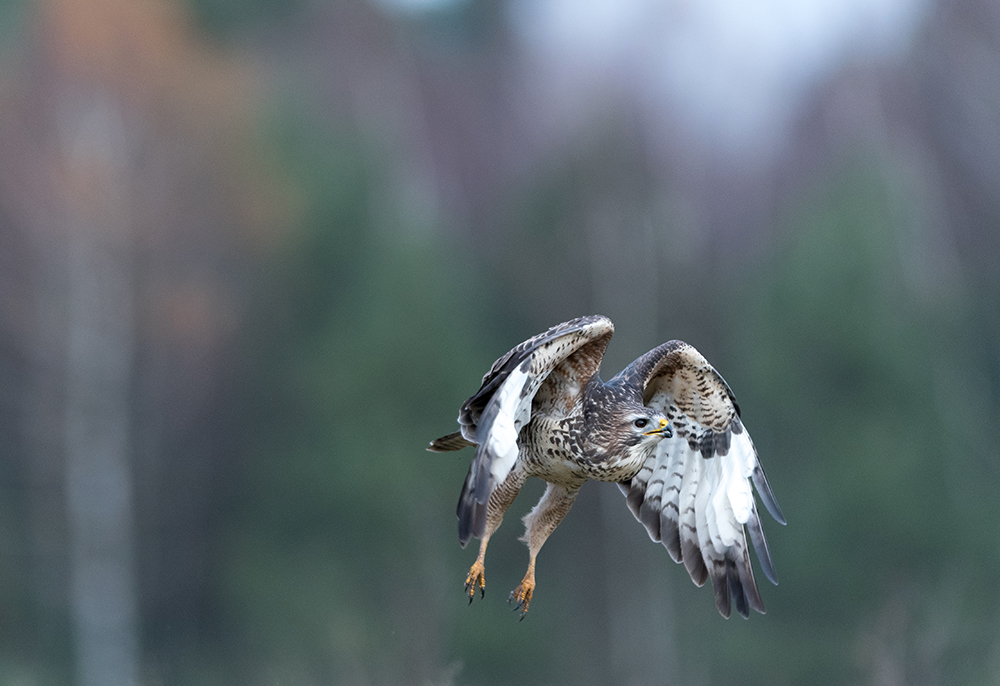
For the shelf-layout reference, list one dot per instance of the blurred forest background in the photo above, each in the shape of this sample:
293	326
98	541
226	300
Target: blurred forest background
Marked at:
256	254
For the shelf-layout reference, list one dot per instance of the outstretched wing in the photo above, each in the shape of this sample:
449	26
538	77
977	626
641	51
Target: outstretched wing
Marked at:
554	366
693	494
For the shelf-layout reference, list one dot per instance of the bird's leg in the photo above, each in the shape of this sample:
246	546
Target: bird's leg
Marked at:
477	574
501	499
539	524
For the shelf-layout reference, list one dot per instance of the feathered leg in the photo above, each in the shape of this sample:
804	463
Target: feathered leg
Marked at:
496	506
539	524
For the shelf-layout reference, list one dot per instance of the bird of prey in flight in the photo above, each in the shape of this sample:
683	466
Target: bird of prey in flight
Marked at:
666	429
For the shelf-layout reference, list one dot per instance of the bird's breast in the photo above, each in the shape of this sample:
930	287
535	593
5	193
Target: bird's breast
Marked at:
615	467
557	451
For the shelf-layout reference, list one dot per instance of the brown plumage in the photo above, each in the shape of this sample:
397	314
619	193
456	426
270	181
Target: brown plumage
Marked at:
666	429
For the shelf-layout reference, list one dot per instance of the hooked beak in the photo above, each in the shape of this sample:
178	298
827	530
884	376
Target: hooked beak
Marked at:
664	430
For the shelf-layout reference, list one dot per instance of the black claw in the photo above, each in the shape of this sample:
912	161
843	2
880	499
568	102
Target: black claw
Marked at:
470	588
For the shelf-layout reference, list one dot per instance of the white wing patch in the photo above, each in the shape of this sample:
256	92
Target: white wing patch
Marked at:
737	468
513	411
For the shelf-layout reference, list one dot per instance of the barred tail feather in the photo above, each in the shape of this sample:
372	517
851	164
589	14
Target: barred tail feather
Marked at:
448	443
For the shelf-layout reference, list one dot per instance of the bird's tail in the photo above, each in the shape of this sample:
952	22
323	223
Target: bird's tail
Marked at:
448	443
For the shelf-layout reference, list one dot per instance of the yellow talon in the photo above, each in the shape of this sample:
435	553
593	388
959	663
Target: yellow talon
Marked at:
477	575
522	594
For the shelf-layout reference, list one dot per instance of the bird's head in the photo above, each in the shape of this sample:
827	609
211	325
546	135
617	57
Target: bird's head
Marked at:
642	426
621	426
630	433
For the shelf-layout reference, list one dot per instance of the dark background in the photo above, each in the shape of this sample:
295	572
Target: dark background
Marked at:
253	256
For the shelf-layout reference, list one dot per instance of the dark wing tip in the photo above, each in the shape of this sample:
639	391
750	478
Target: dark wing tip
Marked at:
721	586
759	542
471	513
734	585
693	562
670	537
739	596
766	495
649	516
471	521
634	496
742	575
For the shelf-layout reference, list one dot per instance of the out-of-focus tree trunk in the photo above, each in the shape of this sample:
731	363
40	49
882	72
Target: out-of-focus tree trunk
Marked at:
131	196
100	342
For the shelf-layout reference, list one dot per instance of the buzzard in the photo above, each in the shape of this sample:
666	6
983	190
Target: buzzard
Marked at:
666	429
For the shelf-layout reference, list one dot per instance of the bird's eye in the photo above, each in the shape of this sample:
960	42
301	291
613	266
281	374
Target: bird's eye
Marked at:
640	423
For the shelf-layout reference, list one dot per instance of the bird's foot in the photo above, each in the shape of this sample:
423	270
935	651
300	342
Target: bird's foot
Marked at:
522	594
477	575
